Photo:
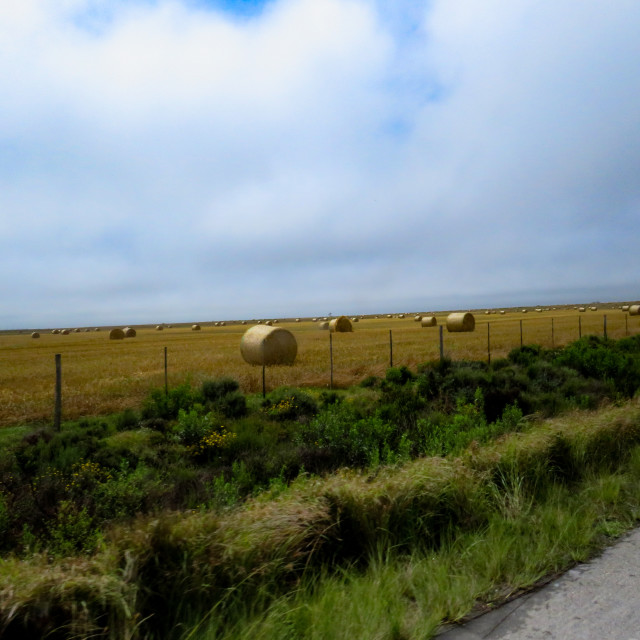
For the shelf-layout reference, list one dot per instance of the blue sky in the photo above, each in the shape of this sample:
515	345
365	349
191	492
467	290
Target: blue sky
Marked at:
181	160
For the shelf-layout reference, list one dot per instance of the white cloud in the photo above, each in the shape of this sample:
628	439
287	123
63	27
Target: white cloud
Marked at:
368	154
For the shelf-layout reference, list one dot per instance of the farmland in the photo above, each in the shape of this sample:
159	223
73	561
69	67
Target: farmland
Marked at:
100	376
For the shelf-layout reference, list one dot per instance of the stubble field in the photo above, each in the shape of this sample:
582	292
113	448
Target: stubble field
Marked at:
101	376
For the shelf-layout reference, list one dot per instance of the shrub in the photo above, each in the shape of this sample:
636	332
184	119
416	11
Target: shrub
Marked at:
289	403
167	405
217	388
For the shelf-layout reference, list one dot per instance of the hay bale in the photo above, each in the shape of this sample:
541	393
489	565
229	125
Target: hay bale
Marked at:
159	327
428	321
222	324
64	332
524	311
401	316
581	309
324	326
314	319
458	322
389	315
634	310
76	330
593	308
355	319
97	329
342	324
417	318
538	310
116	334
129	332
196	327
502	312
55	332
625	307
35	334
275	322
269	323
268	345
244	322
297	319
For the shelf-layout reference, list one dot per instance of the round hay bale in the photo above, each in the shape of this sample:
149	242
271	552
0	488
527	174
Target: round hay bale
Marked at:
196	327
401	316
593	308
55	332
159	327
581	309
428	321
269	323
76	330
297	319
129	332
634	310
417	318
538	310
35	334
268	345
324	326
314	319
355	319
342	324
116	334
458	322
64	332
389	315
244	322
524	311
275	322
97	329
222	324
502	312
625	307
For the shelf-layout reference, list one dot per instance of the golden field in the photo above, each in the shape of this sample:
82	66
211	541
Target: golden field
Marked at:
101	376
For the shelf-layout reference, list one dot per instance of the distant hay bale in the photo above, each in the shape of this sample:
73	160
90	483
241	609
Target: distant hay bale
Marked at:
259	322
593	308
324	326
524	311
581	309
76	330
486	313
269	323
129	332
159	327
314	319
64	332
458	322
428	321
342	324
55	332
35	334
195	327
417	318
222	324
268	345
297	319
116	334
216	324
401	316
502	312
97	329
275	322
244	322
355	319
634	310
389	315
625	307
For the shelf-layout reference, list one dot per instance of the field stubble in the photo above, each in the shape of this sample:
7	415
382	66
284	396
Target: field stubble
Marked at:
101	376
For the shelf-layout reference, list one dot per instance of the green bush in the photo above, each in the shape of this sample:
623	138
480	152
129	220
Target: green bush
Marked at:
166	405
289	403
217	388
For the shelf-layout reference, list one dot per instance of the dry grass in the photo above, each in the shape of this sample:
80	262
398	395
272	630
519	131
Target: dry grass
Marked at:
101	376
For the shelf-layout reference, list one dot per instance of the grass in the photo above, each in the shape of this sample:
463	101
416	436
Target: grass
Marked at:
100	376
386	553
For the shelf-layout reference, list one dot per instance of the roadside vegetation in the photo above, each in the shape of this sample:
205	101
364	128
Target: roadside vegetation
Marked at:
381	510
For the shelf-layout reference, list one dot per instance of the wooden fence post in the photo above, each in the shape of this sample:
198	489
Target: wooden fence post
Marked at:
390	349
441	344
520	332
166	377
331	360
57	415
488	343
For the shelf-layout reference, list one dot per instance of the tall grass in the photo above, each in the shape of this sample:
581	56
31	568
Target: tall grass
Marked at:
434	536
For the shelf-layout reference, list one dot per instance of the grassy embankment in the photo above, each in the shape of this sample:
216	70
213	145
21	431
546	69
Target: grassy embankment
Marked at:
390	548
101	376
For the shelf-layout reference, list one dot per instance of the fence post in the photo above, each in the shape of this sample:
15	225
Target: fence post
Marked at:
553	342
520	332
488	343
441	344
605	326
579	326
390	349
57	415
166	377
626	324
264	385
331	360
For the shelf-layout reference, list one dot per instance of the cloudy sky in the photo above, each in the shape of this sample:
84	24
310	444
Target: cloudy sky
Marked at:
186	160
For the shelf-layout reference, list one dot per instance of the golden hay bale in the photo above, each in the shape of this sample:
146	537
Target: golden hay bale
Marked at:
355	319
268	345
222	324
324	326
97	329
35	334
417	318
581	309
275	322
76	330
538	310
458	322
524	311
116	334
269	323
314	319
342	324
401	316
486	313
593	308
129	332
64	332
634	310
159	327
502	312
55	332
195	327
428	321
625	307
297	319
244	322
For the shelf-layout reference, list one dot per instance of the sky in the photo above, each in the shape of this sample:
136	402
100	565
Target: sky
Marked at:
194	160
